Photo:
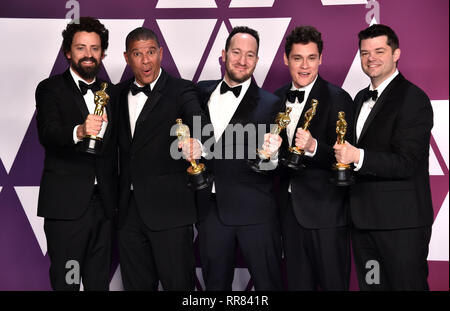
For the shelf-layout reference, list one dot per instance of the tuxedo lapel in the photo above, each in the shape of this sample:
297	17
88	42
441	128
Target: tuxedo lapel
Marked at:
141	131
359	103
150	104
125	113
247	105
76	94
207	95
379	104
283	94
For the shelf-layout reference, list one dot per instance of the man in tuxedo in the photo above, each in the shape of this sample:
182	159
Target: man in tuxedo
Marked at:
313	214
390	203
156	207
78	190
239	207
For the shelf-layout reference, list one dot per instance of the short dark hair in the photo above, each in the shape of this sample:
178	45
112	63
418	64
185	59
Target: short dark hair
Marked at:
88	24
378	30
303	35
140	33
242	29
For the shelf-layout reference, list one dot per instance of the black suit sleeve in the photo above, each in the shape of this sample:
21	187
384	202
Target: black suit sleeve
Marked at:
409	141
191	111
51	129
325	154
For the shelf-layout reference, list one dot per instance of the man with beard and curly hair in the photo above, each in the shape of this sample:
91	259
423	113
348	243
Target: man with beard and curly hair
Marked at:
78	190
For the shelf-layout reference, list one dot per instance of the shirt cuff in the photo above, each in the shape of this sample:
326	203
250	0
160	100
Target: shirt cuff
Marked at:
274	159
75	137
361	159
309	154
201	147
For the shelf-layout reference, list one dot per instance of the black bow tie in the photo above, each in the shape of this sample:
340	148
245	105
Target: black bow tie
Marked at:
94	87
292	95
136	89
225	88
370	94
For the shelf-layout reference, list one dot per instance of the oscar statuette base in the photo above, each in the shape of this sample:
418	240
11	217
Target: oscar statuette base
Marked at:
91	144
294	159
198	178
343	175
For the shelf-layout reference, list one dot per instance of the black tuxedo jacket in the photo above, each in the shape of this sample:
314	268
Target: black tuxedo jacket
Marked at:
318	203
68	177
392	189
159	181
243	196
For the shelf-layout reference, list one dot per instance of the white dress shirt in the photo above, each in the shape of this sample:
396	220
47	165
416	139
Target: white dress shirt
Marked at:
297	110
366	108
90	104
222	108
136	104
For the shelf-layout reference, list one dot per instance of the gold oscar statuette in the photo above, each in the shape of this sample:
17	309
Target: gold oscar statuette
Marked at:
342	172
198	177
91	143
295	155
281	122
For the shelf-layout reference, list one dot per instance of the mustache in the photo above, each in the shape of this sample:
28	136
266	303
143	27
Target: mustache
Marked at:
92	59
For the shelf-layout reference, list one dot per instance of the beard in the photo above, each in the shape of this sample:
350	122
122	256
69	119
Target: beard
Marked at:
89	72
237	79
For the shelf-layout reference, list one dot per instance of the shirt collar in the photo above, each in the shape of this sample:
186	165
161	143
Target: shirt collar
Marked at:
245	86
384	84
152	85
307	89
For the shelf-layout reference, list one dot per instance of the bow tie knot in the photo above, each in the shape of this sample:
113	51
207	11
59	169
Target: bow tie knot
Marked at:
370	95
235	90
94	87
146	89
292	95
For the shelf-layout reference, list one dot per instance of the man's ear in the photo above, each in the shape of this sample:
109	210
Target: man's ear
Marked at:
397	53
224	56
125	55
